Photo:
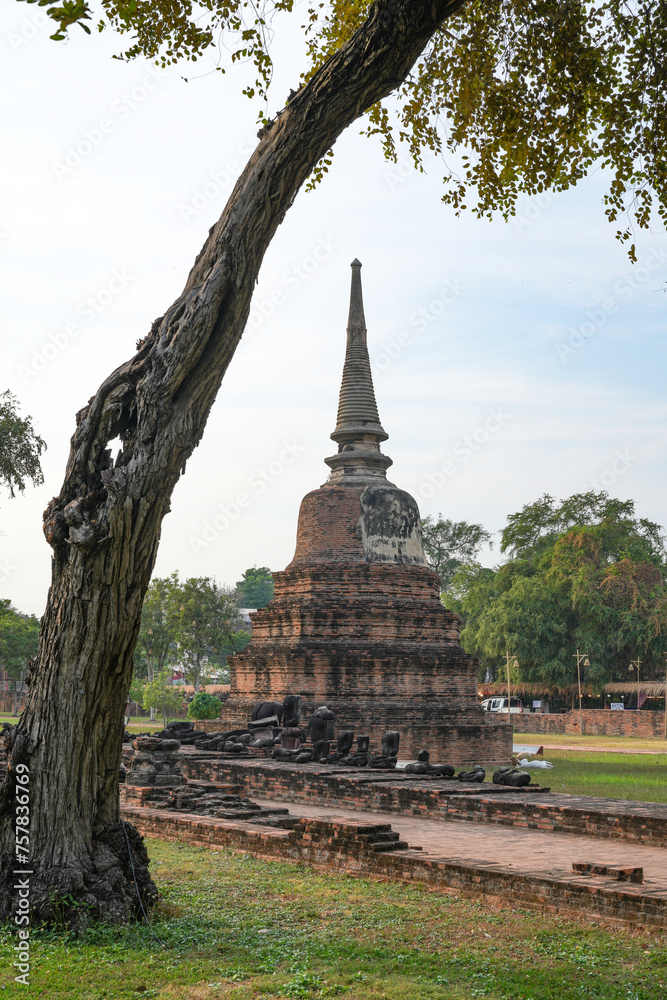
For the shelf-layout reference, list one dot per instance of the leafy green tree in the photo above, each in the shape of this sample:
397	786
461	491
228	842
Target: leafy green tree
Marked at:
526	95
156	636
598	585
204	706
162	696
203	617
20	447
255	588
19	640
521	96
450	544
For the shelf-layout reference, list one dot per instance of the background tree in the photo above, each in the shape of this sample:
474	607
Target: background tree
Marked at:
162	696
583	572
450	544
203	616
156	635
204	706
255	588
20	447
19	640
531	95
156	640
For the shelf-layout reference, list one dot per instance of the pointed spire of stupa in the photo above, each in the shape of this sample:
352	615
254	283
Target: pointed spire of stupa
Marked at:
358	429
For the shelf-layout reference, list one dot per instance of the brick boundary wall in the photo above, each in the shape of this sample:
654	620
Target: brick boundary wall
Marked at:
344	847
597	722
7	702
642	822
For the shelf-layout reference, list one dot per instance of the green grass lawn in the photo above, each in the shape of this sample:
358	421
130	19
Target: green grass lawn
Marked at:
613	775
237	928
574	740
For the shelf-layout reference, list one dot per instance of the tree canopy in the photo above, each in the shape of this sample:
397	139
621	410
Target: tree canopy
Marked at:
451	544
255	588
20	447
583	573
194	624
19	635
514	96
19	640
157	639
202	617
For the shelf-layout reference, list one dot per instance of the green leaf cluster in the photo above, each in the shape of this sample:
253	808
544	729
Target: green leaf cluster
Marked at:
255	588
20	447
515	97
584	572
161	696
204	706
193	623
19	638
448	545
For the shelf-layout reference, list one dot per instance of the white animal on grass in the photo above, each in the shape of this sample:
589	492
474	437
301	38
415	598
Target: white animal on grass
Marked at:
543	765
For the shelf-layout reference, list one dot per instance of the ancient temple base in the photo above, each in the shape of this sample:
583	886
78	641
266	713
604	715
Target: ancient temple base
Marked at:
489	743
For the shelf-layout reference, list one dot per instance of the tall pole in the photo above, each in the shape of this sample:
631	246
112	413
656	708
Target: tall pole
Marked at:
581	717
509	701
581	658
635	665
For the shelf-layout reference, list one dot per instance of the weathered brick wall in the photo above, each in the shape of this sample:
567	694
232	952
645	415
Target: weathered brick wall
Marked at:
381	792
370	639
597	722
341	847
327	528
7	702
373	642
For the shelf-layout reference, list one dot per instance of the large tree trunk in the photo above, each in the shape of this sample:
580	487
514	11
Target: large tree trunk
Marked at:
104	527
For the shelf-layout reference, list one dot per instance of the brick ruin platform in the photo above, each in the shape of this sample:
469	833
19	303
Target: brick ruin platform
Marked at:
356	621
203	799
533	807
357	847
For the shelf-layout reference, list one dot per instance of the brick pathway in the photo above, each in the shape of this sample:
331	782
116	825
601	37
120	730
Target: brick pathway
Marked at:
518	849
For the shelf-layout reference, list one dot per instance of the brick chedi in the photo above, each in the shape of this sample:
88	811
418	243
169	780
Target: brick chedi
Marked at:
356	621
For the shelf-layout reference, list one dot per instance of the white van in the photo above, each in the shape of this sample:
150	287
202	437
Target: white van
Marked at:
500	705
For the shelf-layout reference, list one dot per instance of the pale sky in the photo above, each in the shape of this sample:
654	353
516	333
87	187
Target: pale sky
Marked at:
510	360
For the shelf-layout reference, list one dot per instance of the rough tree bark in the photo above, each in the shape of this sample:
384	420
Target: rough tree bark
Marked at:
104	527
